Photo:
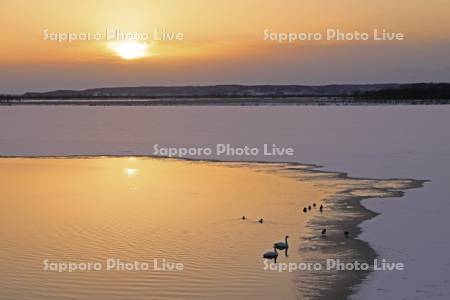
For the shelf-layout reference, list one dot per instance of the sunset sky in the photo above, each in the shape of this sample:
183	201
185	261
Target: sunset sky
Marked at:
223	42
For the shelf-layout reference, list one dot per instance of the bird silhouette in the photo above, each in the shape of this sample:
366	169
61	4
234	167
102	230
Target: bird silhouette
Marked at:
304	209
346	233
321	208
261	220
282	245
324	231
271	254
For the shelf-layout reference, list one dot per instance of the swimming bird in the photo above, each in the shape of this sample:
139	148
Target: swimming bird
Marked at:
261	221
282	245
304	209
309	207
324	231
346	233
321	207
243	218
314	205
271	254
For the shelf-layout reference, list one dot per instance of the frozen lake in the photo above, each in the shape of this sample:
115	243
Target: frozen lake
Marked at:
377	141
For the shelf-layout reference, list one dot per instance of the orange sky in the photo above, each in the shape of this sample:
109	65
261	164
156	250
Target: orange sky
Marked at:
223	42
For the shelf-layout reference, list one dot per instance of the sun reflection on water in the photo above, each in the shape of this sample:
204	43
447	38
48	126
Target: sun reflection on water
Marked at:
130	172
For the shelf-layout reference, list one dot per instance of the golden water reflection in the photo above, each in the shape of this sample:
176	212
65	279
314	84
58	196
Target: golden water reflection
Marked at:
188	212
130	172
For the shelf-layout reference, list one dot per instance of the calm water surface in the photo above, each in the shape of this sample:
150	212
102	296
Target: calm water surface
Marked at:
95	209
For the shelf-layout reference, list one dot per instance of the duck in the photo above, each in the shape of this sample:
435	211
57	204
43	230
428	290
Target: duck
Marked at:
282	245
271	254
324	231
243	218
261	220
309	207
314	205
305	210
346	233
321	208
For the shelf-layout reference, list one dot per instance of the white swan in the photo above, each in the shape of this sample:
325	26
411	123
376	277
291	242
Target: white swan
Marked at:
282	245
271	254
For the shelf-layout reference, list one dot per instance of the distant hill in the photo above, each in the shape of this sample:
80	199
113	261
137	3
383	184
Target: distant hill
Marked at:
337	94
415	91
212	91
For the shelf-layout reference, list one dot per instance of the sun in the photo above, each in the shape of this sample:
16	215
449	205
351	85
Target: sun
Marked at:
129	49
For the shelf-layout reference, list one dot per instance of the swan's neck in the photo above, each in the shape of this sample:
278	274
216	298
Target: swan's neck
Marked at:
285	240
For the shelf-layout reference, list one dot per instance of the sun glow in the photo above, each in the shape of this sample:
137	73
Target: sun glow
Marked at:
129	49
